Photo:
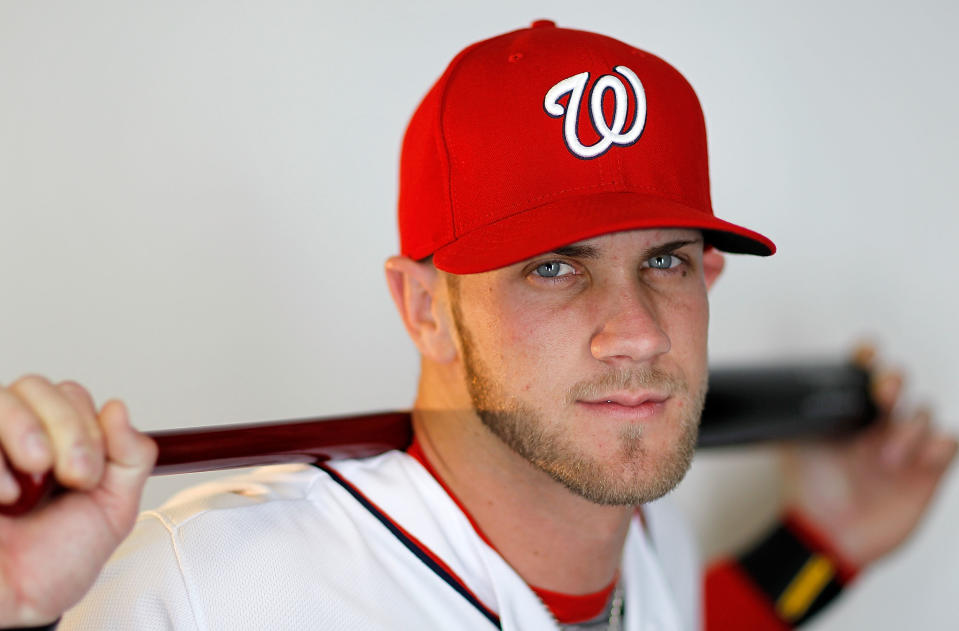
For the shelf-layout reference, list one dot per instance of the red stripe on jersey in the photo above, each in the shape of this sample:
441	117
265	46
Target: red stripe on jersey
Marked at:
566	608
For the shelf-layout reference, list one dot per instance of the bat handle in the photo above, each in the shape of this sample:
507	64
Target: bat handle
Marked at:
34	488
249	445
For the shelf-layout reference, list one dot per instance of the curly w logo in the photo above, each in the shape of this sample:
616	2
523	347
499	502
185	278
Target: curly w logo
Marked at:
609	135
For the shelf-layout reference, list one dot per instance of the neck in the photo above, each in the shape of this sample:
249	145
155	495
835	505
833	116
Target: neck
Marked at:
553	538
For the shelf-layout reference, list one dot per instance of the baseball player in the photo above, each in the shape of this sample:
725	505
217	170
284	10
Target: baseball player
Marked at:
558	243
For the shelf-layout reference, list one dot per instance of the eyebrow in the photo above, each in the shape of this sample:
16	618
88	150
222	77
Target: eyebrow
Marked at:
576	251
669	248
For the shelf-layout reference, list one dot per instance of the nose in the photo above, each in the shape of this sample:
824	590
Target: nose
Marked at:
630	330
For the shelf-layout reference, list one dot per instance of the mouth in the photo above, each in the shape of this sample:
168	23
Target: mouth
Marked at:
642	405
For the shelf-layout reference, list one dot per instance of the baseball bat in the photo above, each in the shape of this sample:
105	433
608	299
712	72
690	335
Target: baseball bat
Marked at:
743	405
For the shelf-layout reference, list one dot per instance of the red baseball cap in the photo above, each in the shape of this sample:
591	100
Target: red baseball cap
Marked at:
546	136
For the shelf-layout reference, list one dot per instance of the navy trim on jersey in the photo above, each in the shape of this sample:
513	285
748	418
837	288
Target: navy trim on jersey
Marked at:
416	547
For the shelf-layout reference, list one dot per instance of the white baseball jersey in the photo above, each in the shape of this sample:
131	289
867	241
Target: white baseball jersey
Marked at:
370	544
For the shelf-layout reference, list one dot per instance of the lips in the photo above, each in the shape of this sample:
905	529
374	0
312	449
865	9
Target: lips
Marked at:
626	405
628	399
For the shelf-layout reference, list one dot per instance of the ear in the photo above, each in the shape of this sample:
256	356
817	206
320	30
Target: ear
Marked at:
713	263
419	296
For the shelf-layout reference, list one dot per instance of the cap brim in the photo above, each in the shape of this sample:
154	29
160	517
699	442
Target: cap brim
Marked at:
558	223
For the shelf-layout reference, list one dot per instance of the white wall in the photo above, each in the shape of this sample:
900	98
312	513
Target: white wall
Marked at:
196	199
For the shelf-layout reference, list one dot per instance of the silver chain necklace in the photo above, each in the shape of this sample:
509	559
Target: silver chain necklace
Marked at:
609	620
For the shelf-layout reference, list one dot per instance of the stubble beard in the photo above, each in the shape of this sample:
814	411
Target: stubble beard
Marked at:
633	477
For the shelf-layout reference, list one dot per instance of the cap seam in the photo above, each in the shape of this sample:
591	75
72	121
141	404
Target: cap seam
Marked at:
453	68
446	153
601	62
451	72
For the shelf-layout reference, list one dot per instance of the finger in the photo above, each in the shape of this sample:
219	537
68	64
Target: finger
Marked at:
83	404
22	436
131	456
864	355
886	388
77	441
9	489
906	440
939	452
81	399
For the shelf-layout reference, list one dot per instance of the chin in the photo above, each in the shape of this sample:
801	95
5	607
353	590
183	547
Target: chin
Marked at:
640	470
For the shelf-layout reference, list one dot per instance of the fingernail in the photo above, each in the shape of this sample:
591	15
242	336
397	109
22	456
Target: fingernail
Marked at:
9	489
80	461
36	446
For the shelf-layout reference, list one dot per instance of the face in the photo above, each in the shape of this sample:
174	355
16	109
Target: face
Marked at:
590	361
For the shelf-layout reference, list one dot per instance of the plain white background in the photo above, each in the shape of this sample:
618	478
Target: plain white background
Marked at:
196	199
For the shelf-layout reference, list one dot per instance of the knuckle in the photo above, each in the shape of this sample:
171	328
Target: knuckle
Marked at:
78	399
72	386
77	394
29	381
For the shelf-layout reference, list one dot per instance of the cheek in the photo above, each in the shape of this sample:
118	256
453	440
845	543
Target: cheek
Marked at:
531	348
692	317
686	321
543	331
685	309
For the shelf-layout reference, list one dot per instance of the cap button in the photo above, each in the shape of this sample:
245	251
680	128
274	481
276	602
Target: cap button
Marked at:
544	24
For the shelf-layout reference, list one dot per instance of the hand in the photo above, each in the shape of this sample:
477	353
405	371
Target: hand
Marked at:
50	557
866	493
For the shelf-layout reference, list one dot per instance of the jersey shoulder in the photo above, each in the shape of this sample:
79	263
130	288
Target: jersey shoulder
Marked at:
282	542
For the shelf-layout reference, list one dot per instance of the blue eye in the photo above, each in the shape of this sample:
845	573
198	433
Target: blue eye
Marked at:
553	269
663	261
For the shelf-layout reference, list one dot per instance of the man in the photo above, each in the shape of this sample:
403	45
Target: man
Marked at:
558	244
